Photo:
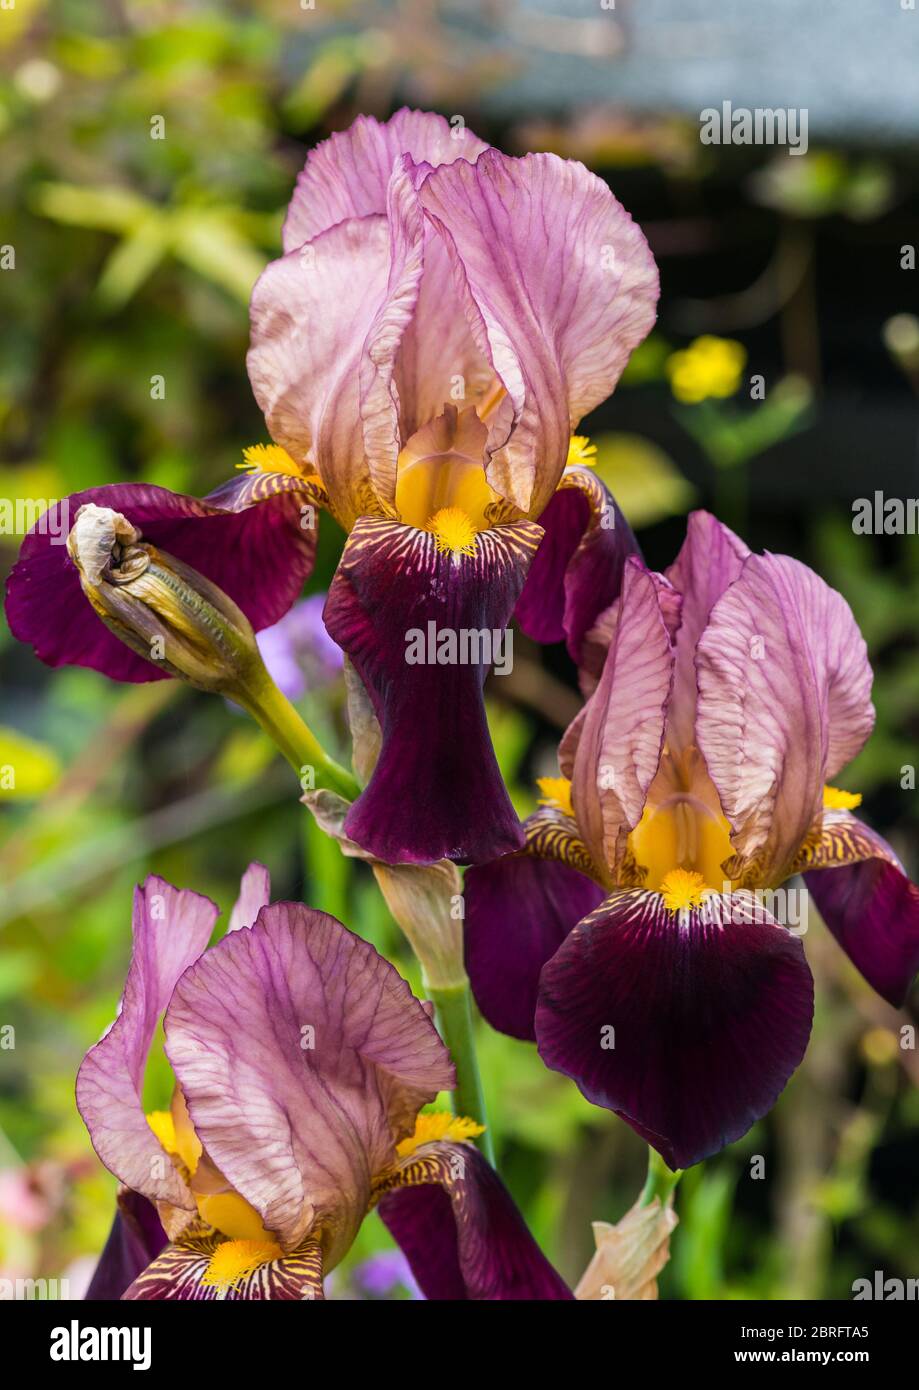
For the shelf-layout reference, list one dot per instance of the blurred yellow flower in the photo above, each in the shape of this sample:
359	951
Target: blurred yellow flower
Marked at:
708	367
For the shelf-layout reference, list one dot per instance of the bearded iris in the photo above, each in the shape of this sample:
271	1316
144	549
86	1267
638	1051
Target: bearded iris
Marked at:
441	320
301	1061
629	938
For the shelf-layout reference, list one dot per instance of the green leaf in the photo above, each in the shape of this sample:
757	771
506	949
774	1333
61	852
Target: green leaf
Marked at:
642	478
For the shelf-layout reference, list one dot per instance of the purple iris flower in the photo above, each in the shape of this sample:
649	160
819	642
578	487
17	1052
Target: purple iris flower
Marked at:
301	1061
630	937
298	652
442	318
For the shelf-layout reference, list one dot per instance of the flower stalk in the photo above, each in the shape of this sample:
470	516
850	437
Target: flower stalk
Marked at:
455	1025
660	1182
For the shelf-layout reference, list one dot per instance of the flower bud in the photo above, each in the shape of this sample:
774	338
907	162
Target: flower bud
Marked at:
161	608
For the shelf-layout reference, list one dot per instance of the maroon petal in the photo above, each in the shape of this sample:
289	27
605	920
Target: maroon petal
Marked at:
577	570
710	1011
260	556
436	792
461	1233
136	1238
519	910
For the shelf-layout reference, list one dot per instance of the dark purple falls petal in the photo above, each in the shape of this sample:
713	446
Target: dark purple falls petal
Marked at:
436	791
260	555
460	1231
686	1025
135	1240
872	909
519	910
577	571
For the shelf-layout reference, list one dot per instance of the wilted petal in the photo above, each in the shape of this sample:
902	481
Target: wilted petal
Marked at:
259	555
435	792
303	1058
348	174
179	1274
784	703
171	928
866	900
629	1255
621	731
577	571
311	311
136	1238
461	1232
686	1025
562	288
519	910
710	559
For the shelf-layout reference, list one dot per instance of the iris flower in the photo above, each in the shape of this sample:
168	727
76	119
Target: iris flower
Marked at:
442	318
630	938
301	1061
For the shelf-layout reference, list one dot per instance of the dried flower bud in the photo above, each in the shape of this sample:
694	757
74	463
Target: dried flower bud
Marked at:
160	607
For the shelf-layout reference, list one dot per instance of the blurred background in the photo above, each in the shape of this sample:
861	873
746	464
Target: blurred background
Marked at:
134	256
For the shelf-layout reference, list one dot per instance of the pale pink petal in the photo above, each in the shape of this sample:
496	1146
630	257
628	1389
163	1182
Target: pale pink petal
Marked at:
254	894
347	175
622	731
710	559
563	287
303	1057
311	311
784	702
171	928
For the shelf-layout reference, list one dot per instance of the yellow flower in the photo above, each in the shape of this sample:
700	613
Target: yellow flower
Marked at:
708	367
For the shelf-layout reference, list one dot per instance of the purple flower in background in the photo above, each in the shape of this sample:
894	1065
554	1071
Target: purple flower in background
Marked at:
301	1061
298	652
384	1275
630	938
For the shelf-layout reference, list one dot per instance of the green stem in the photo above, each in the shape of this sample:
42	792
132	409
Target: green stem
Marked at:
454	1017
295	739
660	1181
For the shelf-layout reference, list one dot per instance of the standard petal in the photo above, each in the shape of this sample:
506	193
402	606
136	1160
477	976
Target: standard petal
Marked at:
259	555
686	1025
171	928
179	1274
562	288
420	355
784	703
254	894
348	174
303	1058
710	559
136	1238
621	733
460	1231
417	623
577	572
310	313
866	900
518	911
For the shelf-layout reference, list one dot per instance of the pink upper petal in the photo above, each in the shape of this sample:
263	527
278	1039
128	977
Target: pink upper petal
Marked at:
563	287
311	311
784	703
420	353
348	174
171	928
300	1122
710	559
254	894
620	736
